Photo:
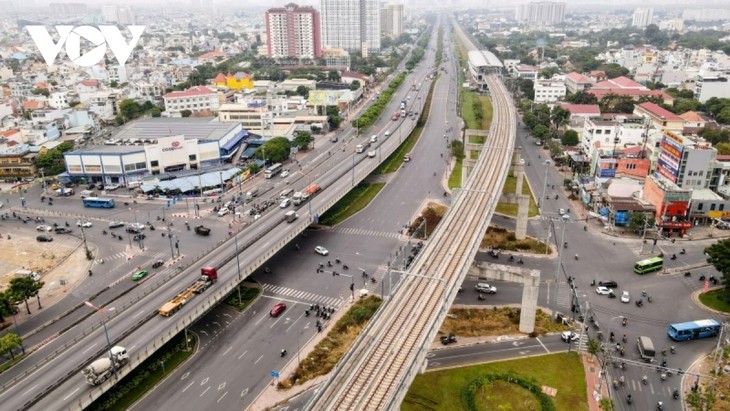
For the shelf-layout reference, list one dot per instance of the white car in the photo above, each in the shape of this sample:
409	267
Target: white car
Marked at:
486	288
321	250
285	174
371	154
111	187
625	298
569	336
223	211
44	228
85	224
603	290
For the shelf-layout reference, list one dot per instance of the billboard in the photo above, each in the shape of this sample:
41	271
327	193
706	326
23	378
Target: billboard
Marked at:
323	97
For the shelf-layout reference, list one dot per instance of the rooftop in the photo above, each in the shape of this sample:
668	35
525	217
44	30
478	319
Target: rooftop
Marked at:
657	111
202	128
484	58
191	92
582	108
699	194
578	78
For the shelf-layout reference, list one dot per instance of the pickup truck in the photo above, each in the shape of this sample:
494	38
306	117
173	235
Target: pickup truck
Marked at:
202	230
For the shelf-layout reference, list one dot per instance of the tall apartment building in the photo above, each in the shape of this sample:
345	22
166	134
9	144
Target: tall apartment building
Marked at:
642	17
116	14
391	19
353	25
543	13
293	31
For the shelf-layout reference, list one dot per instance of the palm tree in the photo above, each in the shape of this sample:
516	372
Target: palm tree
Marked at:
559	117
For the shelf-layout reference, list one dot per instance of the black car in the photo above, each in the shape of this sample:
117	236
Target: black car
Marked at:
62	230
158	264
608	284
139	237
446	340
133	230
44	239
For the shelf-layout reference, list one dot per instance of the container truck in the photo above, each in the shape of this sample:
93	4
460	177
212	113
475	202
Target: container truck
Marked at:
100	370
208	277
302	196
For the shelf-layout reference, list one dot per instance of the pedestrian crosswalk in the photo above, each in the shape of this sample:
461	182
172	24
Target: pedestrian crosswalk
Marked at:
364	232
305	296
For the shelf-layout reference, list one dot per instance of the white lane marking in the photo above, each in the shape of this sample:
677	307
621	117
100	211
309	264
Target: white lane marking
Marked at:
29	389
205	381
72	393
203	393
219	399
138	314
221	386
259	359
90	347
186	388
244	392
241	356
543	345
226	352
184	376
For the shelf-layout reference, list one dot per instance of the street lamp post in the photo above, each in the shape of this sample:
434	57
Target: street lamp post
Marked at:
544	183
561	249
106	333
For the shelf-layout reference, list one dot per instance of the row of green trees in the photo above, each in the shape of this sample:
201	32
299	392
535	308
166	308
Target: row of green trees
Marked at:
376	109
546	123
130	109
21	289
51	161
416	56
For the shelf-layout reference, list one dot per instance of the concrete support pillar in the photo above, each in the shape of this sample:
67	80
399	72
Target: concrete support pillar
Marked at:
530	290
523	206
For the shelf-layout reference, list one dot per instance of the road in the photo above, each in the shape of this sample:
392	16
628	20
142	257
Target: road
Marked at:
232	370
338	165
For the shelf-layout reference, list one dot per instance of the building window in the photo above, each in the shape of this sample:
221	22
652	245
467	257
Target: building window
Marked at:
154	163
699	207
712	207
192	157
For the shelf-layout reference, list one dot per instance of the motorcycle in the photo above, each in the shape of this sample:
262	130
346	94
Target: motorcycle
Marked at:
345	267
673	257
639	303
480	297
624	321
659	406
283	353
624	339
576	257
104	232
645	380
675	394
628	399
683	251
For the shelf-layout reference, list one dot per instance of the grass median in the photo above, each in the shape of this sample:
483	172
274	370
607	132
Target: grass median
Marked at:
717	300
510	187
354	201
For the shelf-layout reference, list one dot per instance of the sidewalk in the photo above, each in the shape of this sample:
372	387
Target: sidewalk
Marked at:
593	382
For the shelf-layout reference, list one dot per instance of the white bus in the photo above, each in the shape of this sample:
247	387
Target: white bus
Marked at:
273	170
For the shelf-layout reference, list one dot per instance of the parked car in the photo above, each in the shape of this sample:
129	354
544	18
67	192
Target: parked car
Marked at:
321	250
277	309
139	275
44	239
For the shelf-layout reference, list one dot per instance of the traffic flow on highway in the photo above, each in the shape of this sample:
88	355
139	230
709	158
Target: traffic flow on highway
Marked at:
159	267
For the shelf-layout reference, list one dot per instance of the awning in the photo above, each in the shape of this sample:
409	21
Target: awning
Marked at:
234	141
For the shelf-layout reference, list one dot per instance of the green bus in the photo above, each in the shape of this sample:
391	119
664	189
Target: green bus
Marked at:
648	265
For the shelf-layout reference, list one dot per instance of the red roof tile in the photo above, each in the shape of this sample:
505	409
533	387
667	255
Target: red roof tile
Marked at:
657	111
592	109
191	92
578	78
89	83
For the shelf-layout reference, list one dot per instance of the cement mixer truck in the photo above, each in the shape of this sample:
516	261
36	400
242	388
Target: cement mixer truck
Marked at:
100	370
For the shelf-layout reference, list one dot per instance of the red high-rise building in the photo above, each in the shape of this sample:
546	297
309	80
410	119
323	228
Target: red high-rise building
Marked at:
293	31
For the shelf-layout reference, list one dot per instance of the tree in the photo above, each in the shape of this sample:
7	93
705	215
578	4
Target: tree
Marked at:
719	256
114	84
334	75
275	150
23	288
723	148
605	404
156	112
354	85
549	72
614	70
582	97
41	91
593	347
333	117
570	138
129	109
9	342
253	168
303	140
723	117
6	306
559	116
457	149
186	113
638	221
540	131
303	91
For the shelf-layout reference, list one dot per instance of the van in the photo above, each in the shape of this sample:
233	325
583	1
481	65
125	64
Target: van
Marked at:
290	216
253	193
87	193
28	273
286	193
646	348
374	139
359	148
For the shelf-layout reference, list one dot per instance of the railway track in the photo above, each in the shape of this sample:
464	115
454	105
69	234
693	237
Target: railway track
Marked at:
381	363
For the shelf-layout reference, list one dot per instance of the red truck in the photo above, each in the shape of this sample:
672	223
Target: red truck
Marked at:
396	116
208	277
